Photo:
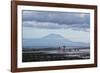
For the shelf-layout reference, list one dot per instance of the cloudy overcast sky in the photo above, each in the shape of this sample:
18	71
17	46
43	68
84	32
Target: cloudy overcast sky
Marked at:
71	25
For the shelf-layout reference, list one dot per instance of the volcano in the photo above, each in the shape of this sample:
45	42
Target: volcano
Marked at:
51	40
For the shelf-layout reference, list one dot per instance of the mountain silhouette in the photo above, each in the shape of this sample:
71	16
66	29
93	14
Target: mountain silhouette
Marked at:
53	36
51	40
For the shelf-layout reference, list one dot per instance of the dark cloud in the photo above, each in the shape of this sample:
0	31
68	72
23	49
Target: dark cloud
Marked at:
46	25
49	25
55	20
56	17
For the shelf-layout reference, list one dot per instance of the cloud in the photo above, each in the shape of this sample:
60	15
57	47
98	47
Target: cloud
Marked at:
49	25
56	20
56	17
46	25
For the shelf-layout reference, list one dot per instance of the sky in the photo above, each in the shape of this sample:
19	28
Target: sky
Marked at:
71	25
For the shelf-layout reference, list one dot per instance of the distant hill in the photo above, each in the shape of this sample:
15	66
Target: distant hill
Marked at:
51	40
